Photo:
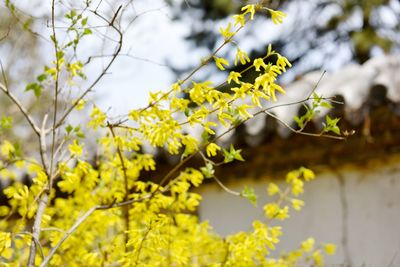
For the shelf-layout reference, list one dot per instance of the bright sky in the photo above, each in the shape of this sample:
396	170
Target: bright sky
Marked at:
152	39
155	37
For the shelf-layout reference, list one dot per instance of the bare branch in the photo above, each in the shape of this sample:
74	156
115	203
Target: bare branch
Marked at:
301	130
36	228
36	241
82	219
5	35
43	202
126	197
226	189
24	112
94	83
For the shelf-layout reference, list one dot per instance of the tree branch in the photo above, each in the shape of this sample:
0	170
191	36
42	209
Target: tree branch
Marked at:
24	112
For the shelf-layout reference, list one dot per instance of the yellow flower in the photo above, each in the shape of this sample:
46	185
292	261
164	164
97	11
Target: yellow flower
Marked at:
273	189
242	57
226	33
239	19
7	149
242	110
176	87
249	9
277	16
212	149
234	76
75	149
318	259
98	117
80	104
259	62
271	210
308	245
308	174
297	204
297	187
220	62
330	249
75	68
283	213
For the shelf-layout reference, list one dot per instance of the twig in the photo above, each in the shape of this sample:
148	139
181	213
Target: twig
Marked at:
79	221
36	241
301	130
5	35
94	83
21	108
124	172
226	189
43	202
36	228
42	141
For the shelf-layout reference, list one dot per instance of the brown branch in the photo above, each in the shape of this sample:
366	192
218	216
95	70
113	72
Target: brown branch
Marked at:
226	189
95	82
36	228
126	197
301	130
43	202
80	220
6	35
21	108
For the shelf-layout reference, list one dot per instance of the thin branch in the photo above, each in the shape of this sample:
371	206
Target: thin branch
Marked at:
43	202
82	219
36	228
24	112
42	142
6	35
66	235
301	130
36	241
124	172
94	83
226	189
127	55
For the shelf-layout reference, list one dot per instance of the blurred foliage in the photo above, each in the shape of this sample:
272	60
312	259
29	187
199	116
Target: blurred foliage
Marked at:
319	27
19	58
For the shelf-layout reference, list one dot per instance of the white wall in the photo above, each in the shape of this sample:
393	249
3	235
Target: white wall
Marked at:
358	210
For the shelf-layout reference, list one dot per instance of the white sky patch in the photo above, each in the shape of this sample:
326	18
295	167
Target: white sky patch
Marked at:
152	39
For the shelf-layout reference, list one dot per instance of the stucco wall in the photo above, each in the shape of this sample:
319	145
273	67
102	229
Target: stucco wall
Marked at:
357	209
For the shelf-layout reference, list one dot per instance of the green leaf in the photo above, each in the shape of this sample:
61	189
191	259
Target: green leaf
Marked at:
208	170
80	135
5	123
227	156
36	88
331	125
84	21
299	121
236	153
205	136
249	193
336	130
69	128
41	77
87	31
59	55
326	105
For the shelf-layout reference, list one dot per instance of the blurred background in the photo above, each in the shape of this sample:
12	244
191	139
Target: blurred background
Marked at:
354	203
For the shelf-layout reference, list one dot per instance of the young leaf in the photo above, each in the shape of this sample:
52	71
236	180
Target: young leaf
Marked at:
36	88
208	170
249	193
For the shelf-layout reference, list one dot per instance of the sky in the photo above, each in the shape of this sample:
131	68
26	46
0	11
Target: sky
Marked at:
152	39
